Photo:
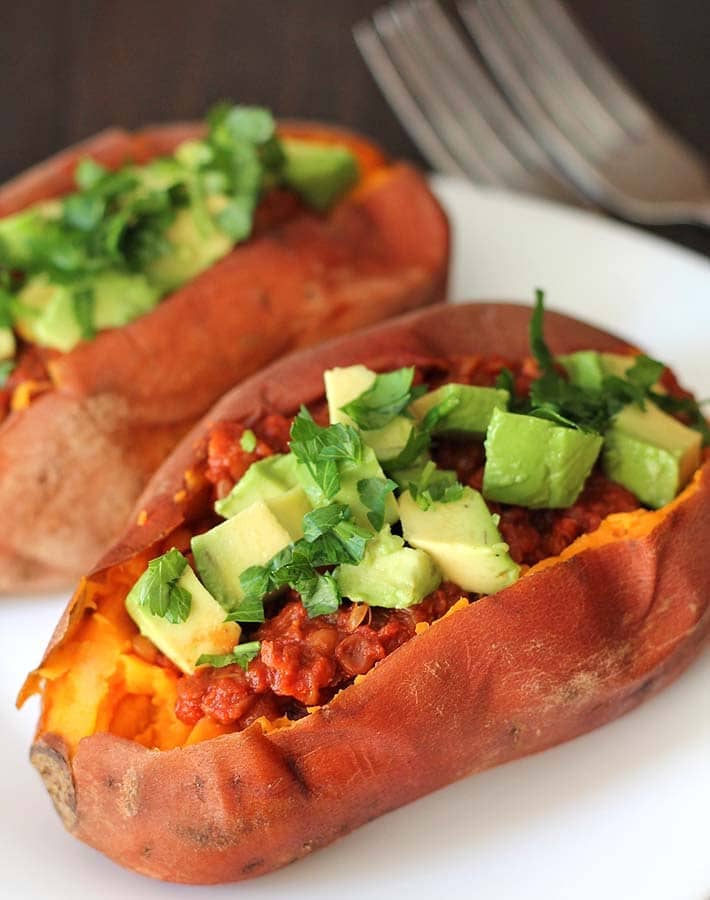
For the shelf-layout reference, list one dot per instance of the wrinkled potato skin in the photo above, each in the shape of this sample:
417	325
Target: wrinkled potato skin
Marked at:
82	453
557	654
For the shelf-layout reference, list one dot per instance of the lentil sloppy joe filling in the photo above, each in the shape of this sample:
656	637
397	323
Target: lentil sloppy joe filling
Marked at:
304	661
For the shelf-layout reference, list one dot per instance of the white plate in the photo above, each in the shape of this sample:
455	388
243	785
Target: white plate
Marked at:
619	813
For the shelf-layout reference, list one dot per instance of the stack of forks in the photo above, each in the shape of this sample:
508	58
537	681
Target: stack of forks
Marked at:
512	93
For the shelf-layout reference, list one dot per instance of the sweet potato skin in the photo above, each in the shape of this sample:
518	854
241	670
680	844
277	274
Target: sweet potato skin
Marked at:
81	454
557	654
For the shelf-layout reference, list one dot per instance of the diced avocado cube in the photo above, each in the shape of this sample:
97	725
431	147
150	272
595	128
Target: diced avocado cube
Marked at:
290	508
204	630
321	173
533	462
196	243
389	441
342	385
650	453
263	480
46	314
120	298
389	574
49	316
463	539
350	475
250	538
588	368
473	411
20	233
8	344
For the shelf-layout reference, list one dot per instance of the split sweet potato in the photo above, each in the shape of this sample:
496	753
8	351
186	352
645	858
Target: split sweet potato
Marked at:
579	640
75	459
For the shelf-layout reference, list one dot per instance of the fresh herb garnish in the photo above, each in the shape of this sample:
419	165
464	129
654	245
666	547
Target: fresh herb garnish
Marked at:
330	538
159	591
553	397
242	655
320	449
373	494
248	441
419	438
435	486
386	398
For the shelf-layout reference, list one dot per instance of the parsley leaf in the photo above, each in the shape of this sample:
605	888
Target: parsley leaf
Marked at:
330	538
373	493
319	521
435	486
320	449
242	655
159	591
538	345
387	397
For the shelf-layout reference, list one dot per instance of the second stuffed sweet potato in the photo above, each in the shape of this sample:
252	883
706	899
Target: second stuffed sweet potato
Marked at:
84	429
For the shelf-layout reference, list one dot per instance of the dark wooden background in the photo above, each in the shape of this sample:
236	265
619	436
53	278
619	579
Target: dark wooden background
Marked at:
71	67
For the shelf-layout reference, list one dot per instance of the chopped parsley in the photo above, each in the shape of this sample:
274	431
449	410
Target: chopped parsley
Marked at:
330	538
242	655
389	395
159	592
7	367
373	494
320	449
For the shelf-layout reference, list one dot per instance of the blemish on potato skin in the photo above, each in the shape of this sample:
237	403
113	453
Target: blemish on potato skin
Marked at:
252	866
294	768
209	837
128	800
199	786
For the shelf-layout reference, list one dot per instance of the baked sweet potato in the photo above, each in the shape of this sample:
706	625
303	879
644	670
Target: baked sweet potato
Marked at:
77	456
580	639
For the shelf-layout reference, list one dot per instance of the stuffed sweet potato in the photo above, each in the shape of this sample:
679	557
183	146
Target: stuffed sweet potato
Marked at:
355	686
87	415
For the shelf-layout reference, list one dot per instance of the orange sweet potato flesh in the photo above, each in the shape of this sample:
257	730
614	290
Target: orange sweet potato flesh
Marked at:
576	642
80	454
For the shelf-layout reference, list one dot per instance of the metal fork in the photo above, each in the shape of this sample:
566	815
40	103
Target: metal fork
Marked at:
459	120
579	115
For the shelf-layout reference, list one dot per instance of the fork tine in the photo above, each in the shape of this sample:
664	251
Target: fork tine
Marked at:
604	80
573	163
390	23
450	106
473	96
398	96
562	74
550	92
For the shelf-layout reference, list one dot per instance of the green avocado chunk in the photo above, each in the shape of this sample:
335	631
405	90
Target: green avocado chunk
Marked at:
320	173
264	480
350	475
471	415
650	453
8	344
462	537
250	538
588	368
195	243
533	462
342	385
389	574
204	630
51	317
